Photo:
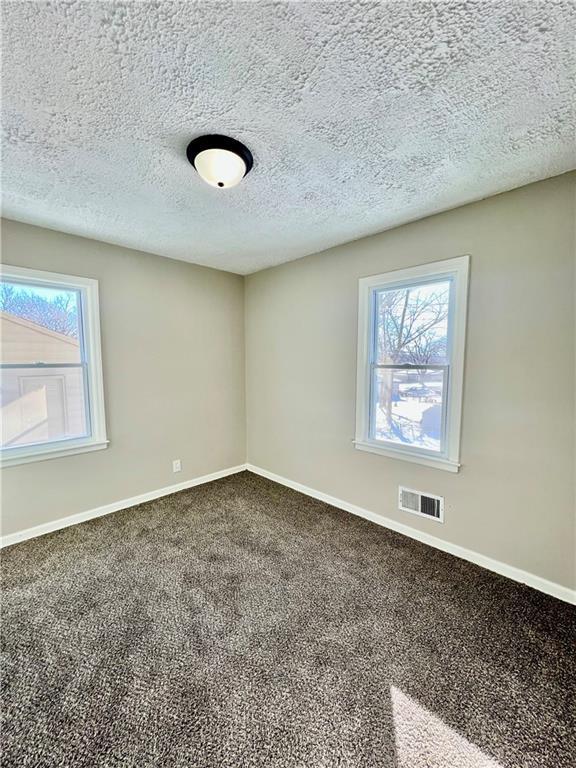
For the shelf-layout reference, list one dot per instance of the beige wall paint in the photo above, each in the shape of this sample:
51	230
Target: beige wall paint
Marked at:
513	499
173	358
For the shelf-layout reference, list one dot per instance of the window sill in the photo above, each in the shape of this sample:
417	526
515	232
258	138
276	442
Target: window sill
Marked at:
44	452
427	461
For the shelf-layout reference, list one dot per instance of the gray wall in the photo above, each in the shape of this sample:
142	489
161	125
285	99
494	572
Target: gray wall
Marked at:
513	499
173	358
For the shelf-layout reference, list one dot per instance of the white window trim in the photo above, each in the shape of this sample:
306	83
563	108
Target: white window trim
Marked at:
97	440
457	269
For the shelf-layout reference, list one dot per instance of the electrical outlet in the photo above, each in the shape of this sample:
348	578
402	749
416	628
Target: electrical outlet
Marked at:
176	465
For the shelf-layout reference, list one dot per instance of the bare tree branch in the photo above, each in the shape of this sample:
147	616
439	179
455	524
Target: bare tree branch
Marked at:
59	314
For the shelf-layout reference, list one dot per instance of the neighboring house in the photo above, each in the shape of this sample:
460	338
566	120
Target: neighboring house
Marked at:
39	403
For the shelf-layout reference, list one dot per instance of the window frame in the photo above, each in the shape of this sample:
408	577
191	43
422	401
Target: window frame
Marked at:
456	270
89	321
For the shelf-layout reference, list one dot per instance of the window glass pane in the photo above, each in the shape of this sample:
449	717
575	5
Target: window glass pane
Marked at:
39	325
412	324
40	406
42	387
408	406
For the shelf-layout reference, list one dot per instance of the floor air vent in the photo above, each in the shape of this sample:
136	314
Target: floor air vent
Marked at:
423	504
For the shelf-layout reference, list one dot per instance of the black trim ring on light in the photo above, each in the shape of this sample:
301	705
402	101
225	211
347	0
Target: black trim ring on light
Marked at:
216	141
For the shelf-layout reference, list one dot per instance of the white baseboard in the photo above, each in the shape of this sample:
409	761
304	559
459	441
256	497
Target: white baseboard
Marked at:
516	574
115	506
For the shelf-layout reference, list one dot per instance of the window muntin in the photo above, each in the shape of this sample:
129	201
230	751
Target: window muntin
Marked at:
51	398
410	362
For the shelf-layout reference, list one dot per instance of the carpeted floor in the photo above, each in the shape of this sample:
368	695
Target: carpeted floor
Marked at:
240	623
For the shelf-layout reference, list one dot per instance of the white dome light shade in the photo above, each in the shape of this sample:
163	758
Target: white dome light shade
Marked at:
220	160
220	167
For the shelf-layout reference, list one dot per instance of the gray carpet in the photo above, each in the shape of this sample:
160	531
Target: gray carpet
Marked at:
243	624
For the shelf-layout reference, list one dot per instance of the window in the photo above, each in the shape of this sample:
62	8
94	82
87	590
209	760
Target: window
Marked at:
51	394
411	333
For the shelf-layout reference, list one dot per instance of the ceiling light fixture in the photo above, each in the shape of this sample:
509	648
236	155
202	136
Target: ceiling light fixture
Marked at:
221	161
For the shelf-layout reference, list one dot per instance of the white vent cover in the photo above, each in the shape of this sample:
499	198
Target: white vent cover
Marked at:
423	504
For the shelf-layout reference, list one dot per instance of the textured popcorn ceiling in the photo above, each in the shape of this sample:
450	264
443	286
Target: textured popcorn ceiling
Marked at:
361	116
